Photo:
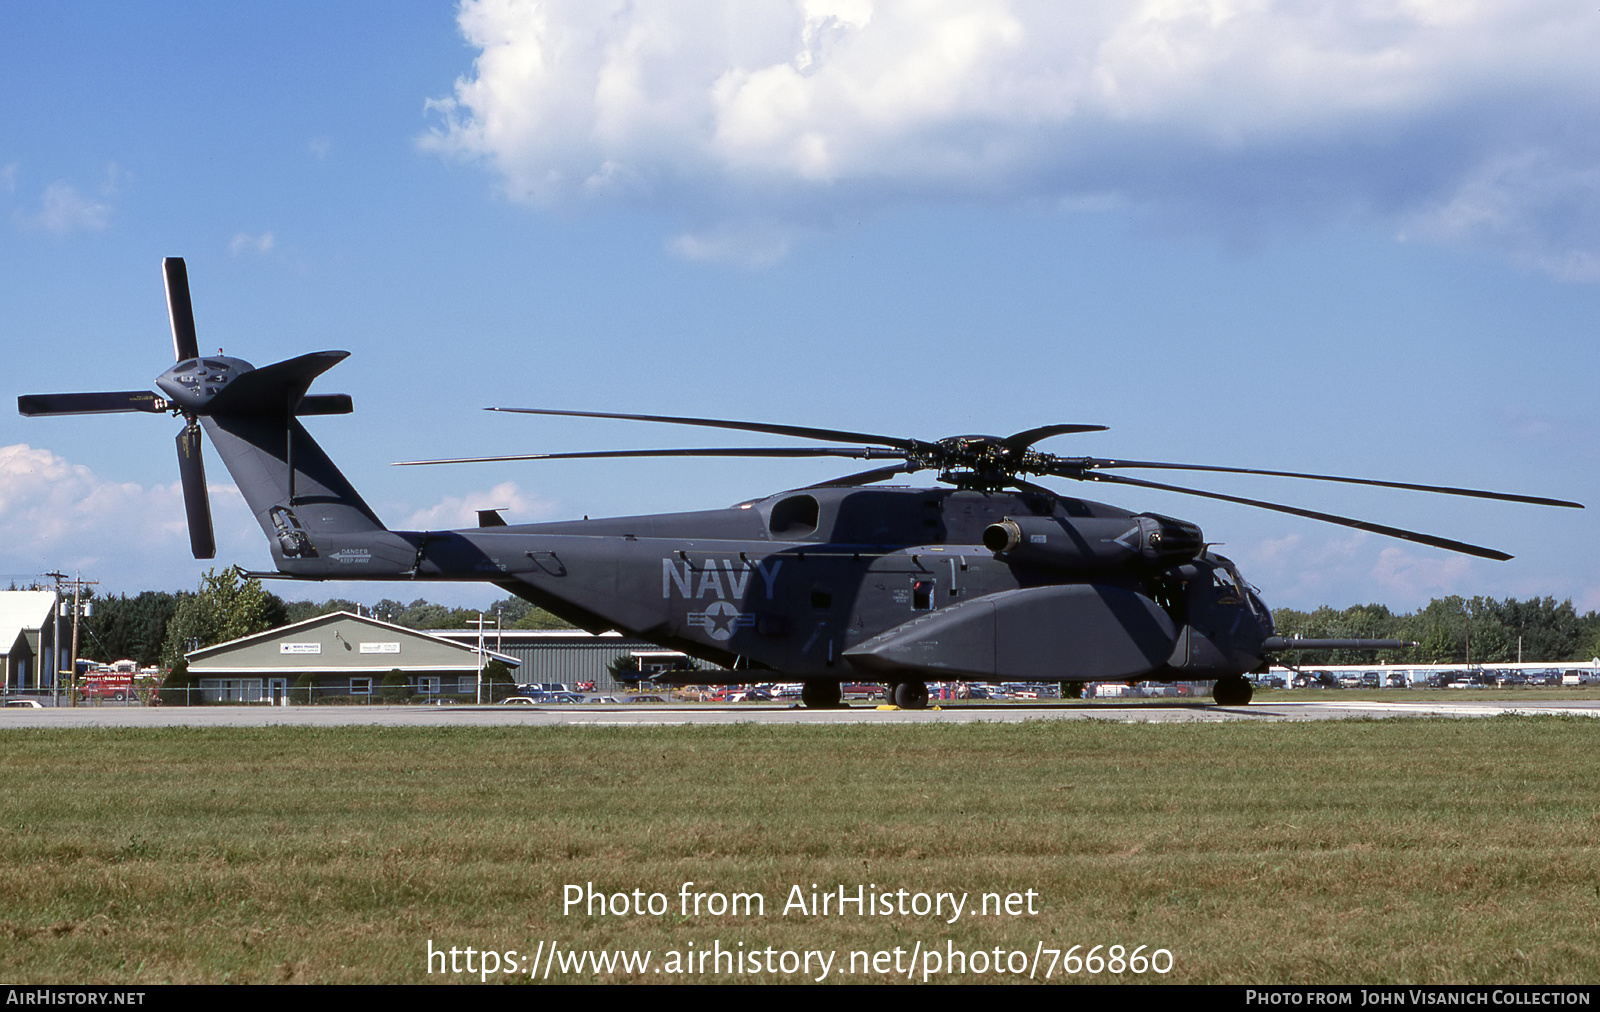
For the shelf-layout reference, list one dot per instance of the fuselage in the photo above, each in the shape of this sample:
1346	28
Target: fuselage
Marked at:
842	583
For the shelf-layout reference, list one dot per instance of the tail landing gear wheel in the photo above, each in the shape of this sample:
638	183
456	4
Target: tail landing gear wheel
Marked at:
1234	690
821	695
909	695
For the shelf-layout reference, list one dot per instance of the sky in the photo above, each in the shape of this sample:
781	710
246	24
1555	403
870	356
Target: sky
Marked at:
1346	238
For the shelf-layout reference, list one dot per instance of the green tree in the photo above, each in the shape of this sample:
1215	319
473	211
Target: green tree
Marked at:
624	669
299	611
226	607
396	687
497	682
1546	630
538	618
180	688
515	613
132	628
387	610
423	614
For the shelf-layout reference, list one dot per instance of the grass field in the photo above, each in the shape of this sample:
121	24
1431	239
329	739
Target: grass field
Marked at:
1526	694
1530	695
1406	851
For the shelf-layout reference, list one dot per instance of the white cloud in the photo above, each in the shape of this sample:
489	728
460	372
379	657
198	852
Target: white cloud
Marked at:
63	209
1414	577
1539	207
752	243
1468	122
244	242
1295	569
56	514
459	511
43	498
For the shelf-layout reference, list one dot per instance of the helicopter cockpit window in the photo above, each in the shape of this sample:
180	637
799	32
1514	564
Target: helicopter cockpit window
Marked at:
1229	579
1235	589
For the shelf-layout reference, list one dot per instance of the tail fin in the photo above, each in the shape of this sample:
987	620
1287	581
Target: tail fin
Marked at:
315	521
273	458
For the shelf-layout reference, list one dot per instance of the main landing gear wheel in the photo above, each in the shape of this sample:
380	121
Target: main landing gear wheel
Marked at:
909	695
1235	690
821	695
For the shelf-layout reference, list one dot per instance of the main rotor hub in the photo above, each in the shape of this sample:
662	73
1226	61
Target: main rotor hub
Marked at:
980	463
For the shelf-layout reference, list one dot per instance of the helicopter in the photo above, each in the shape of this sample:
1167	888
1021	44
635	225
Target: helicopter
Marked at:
988	577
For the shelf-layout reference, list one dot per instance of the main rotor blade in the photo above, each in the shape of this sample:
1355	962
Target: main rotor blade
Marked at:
1360	525
804	432
1090	463
1028	486
184	343
863	453
1022	440
105	402
196	501
867	477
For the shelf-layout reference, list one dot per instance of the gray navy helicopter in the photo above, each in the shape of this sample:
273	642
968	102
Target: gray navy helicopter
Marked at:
991	578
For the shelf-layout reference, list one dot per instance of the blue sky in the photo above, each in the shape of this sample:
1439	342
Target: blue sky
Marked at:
1355	239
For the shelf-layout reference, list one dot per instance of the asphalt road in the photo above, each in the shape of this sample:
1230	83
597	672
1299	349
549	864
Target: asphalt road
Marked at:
863	713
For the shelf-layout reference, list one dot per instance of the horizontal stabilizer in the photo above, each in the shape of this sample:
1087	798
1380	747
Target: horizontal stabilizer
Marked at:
275	389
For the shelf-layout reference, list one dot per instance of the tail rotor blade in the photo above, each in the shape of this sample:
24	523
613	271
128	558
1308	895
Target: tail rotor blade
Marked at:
184	343
196	502
106	402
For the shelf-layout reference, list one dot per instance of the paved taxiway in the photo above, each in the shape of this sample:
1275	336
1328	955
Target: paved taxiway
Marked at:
510	716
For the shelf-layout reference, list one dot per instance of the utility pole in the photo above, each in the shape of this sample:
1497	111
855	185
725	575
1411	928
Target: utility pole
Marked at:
77	583
480	622
55	641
